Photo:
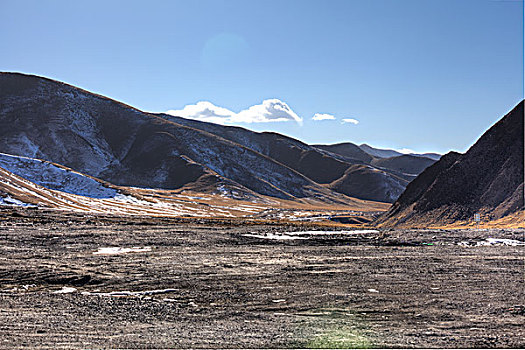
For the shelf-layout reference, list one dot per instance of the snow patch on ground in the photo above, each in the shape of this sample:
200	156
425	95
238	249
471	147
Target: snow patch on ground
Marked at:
305	234
127	293
278	236
321	233
118	250
65	290
493	241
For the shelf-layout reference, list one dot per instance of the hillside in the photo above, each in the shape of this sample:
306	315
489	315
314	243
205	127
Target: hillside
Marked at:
114	142
16	192
55	177
331	165
121	145
487	179
405	163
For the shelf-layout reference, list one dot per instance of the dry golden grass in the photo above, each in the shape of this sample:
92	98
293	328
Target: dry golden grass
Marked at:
183	203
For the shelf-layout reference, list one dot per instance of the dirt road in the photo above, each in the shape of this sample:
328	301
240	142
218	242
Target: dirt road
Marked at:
209	286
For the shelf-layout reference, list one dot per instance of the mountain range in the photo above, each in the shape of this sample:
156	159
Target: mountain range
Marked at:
115	143
66	148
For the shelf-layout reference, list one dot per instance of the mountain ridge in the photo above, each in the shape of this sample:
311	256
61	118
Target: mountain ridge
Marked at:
388	153
309	159
122	145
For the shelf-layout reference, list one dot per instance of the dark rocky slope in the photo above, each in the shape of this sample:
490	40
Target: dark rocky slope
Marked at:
488	178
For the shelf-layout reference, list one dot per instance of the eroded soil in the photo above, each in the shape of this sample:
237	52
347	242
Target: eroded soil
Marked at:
211	286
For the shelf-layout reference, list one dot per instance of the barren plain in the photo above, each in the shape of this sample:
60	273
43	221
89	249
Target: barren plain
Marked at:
102	282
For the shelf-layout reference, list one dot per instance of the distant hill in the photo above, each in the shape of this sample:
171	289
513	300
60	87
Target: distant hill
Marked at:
378	152
348	150
487	179
405	163
388	153
402	165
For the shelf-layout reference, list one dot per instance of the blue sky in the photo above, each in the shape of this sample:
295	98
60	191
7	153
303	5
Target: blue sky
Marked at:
423	75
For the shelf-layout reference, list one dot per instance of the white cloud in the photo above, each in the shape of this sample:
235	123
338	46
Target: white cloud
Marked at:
323	116
405	150
203	110
350	121
271	110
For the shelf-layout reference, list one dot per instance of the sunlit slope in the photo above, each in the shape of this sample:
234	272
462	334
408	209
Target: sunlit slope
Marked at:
100	197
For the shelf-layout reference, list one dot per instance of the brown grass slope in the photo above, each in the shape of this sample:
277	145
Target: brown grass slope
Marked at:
132	201
488	178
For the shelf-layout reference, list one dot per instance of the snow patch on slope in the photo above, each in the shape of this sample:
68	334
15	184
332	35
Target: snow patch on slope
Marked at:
50	176
13	201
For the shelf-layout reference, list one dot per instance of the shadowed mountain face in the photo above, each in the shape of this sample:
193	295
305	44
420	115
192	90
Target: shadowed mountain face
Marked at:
349	151
44	119
488	178
406	163
343	168
378	185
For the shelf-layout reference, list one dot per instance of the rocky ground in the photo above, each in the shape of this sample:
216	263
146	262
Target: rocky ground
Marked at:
179	284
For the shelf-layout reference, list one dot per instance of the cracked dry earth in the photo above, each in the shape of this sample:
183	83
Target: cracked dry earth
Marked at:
210	286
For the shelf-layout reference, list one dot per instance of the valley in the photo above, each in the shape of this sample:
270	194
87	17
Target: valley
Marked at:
126	229
262	174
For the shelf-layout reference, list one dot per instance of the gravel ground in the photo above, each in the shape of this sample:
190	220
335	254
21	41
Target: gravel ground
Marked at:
189	285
